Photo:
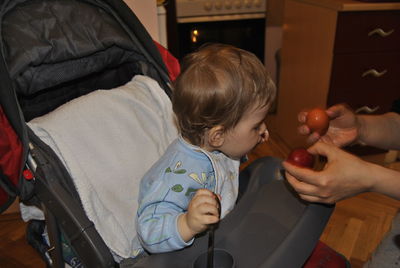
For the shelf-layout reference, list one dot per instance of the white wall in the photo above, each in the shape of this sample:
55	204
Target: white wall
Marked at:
146	11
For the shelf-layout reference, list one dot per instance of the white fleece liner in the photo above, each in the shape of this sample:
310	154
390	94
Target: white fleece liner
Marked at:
107	140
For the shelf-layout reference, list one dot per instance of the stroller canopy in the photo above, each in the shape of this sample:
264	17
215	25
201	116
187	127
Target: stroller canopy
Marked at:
54	51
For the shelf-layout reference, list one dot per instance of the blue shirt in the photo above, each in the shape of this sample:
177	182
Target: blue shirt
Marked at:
167	188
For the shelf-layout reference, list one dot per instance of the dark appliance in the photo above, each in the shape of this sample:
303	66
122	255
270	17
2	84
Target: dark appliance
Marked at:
237	22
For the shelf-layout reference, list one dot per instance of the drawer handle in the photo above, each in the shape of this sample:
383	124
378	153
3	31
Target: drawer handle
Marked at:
380	32
366	109
374	73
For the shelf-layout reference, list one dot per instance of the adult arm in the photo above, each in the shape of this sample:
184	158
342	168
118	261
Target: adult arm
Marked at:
381	131
346	127
343	176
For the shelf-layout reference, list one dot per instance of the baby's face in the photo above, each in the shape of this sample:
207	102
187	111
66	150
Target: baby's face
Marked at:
247	134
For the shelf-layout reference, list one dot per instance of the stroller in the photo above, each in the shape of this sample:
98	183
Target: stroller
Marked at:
56	52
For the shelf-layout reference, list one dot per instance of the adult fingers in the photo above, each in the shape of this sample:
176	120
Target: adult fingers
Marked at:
303	185
303	130
302	116
313	138
336	110
309	192
316	199
322	148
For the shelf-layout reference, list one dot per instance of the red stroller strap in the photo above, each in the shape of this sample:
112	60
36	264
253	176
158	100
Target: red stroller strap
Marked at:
170	61
10	152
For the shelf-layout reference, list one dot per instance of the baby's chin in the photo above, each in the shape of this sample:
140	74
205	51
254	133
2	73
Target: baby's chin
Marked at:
234	157
242	158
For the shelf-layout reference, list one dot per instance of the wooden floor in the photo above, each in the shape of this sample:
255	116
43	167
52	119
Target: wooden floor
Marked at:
355	228
15	252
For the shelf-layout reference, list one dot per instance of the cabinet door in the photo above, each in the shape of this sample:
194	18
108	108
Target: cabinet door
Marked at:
371	80
367	31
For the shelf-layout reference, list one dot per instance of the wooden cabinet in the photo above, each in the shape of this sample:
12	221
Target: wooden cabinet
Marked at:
337	51
366	60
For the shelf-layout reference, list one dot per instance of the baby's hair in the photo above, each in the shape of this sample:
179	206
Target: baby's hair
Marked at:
217	85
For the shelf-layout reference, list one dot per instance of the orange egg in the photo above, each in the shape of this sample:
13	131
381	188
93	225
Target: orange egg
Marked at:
318	121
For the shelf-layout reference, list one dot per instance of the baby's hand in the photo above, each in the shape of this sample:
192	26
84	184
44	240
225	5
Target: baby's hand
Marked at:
203	210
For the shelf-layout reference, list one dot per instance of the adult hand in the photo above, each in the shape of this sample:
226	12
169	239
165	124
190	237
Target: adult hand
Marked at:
343	126
344	175
203	210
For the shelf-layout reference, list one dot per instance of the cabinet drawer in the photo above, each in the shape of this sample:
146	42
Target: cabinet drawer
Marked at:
351	83
354	31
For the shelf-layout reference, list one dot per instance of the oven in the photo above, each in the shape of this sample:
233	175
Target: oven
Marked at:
240	23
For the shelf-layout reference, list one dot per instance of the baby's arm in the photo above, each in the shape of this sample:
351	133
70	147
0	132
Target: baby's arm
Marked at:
157	227
170	223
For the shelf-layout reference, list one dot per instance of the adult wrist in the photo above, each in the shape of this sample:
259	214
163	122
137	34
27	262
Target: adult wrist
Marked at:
370	176
361	130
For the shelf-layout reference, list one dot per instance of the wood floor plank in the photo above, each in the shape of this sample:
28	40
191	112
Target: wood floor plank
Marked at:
351	232
15	252
376	219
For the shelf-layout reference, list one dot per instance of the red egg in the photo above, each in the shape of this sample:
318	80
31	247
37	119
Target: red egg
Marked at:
318	121
301	157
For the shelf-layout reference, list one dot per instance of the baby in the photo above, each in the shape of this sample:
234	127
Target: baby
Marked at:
220	100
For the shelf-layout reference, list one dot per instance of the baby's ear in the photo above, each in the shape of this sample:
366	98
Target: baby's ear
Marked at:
216	136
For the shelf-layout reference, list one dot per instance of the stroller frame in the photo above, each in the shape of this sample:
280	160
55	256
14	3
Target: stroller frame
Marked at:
57	203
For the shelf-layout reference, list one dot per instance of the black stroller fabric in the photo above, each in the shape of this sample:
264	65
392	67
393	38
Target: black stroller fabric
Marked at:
53	51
